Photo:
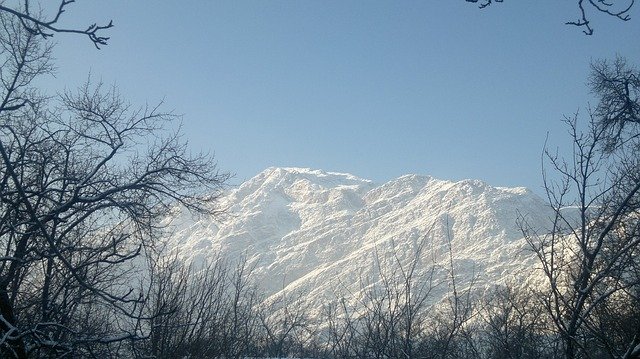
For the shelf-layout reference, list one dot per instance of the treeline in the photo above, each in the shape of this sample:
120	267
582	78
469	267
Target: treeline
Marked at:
216	312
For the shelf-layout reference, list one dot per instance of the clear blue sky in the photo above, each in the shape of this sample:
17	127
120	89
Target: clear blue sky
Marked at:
375	88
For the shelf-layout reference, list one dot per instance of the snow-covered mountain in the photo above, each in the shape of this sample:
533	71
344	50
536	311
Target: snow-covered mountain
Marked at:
323	232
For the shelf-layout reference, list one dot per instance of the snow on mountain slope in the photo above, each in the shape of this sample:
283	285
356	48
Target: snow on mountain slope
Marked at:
323	232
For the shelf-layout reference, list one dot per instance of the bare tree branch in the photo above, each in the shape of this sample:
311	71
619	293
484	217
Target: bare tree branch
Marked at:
619	9
46	28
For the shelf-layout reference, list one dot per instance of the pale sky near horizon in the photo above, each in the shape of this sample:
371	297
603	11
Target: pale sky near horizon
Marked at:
374	88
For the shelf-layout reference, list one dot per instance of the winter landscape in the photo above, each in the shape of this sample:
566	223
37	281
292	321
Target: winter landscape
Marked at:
320	179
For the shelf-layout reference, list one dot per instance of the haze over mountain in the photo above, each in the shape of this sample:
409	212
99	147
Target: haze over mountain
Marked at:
325	233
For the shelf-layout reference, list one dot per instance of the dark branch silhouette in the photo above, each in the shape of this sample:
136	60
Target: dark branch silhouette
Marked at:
610	8
46	28
484	3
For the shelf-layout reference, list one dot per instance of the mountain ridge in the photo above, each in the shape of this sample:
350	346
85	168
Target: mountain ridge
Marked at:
313	231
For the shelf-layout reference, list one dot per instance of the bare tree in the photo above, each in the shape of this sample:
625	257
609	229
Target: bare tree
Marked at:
341	332
448	337
186	305
285	324
242	318
590	255
204	311
513	325
617	86
395	310
619	9
84	182
387	317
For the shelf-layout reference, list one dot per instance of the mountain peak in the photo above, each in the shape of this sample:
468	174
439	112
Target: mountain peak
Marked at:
282	178
305	172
